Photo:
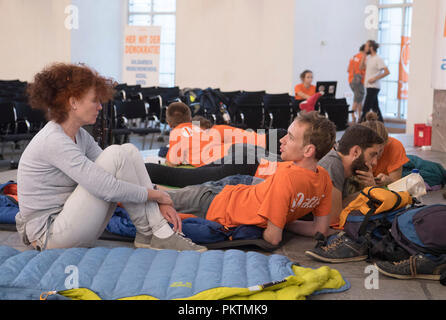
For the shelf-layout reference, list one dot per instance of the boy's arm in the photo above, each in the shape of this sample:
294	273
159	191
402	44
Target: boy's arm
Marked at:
336	205
272	234
310	228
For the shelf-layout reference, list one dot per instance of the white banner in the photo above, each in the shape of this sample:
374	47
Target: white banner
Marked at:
141	56
439	59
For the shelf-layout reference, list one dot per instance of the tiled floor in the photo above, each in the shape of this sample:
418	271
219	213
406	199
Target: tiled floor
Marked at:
295	246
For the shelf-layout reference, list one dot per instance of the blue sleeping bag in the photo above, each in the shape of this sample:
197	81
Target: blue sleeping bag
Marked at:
119	273
8	206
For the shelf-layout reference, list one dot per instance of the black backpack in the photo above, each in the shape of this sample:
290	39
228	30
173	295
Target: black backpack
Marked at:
213	106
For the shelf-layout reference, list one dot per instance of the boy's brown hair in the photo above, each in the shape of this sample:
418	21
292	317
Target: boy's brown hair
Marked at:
321	132
204	123
178	113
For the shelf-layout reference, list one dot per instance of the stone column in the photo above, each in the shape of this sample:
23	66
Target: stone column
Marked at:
439	121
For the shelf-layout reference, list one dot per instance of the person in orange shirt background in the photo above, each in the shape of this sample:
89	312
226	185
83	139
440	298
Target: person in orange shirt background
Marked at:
305	89
295	189
185	139
389	167
356	81
194	143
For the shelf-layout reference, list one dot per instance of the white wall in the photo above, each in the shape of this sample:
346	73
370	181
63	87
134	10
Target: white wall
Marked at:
265	44
420	100
328	34
33	35
235	44
98	41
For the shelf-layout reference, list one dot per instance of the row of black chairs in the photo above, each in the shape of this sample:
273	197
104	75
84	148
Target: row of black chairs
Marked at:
19	122
261	110
141	111
246	109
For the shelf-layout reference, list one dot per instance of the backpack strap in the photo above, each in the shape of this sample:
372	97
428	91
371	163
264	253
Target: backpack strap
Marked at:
373	204
398	200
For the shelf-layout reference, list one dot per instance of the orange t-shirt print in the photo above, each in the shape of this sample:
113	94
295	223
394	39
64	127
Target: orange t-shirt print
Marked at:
291	193
185	145
301	88
234	135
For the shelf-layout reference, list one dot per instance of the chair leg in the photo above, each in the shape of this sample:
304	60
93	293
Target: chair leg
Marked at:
151	141
143	142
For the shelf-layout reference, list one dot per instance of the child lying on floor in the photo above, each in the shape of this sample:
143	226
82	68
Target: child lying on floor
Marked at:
196	143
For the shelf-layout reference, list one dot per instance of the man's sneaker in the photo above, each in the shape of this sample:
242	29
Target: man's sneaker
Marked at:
416	267
142	241
175	242
339	249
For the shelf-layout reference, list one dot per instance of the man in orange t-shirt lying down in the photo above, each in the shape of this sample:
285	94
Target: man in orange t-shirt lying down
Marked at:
277	203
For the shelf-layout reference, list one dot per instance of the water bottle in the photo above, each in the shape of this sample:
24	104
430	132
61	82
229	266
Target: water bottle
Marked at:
415	185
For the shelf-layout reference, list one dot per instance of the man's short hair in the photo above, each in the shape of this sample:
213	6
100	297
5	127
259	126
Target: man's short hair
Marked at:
362	47
321	132
358	135
178	113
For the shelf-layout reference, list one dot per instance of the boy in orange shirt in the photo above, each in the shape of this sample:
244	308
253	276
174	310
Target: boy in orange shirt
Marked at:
356	81
194	144
297	188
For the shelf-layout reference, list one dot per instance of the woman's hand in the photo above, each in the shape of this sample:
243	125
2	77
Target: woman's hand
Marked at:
159	196
171	215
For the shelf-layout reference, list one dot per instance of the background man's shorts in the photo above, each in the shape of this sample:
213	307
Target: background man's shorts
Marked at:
357	88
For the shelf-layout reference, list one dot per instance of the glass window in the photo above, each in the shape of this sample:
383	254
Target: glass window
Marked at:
140	5
167	23
395	17
164	5
391	1
158	13
140	20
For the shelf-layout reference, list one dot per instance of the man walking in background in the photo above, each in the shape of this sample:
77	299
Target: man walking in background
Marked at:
375	70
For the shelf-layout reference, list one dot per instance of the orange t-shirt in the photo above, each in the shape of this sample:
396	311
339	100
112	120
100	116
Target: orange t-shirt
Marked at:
289	194
267	168
234	135
353	67
393	157
189	145
301	88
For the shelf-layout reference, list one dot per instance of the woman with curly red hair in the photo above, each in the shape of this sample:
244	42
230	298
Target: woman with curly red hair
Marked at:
68	187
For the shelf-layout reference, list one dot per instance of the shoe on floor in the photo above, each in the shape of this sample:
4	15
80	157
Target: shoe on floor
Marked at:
416	267
142	241
339	249
175	242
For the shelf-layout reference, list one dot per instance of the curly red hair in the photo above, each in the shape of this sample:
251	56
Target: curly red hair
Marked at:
55	84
